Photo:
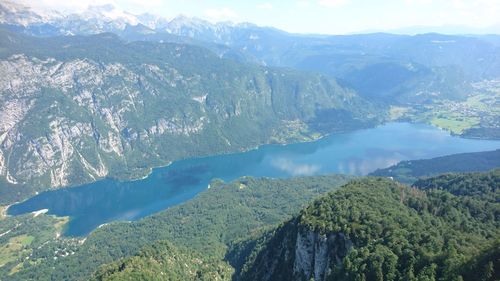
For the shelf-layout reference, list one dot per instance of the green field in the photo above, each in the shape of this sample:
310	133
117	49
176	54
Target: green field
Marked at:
455	124
28	239
479	110
14	248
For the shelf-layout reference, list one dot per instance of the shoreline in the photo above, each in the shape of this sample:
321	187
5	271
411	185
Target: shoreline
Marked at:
150	170
5	209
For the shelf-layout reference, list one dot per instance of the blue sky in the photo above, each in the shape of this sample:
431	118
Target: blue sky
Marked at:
315	16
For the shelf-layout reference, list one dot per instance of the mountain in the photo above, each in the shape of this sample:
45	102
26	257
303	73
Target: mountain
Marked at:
377	229
207	225
80	108
415	69
96	19
409	171
14	13
442	228
368	229
164	261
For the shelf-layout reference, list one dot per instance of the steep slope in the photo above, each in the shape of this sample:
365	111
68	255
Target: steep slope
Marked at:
369	229
377	229
484	186
163	261
409	171
415	68
207	224
77	109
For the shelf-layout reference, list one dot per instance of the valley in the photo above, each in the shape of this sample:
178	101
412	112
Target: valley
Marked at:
102	115
354	153
161	141
226	237
474	117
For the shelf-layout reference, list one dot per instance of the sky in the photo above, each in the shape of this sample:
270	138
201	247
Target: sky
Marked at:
312	16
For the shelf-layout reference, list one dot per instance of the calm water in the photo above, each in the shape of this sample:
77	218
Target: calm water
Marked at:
358	152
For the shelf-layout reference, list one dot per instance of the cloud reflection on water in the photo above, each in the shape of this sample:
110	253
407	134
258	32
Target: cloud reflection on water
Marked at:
295	169
357	166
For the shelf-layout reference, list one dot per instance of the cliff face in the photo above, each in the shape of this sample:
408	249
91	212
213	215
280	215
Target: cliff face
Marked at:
377	229
73	113
316	254
297	253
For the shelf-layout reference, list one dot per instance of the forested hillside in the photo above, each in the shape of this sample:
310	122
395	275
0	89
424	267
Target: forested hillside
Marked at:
377	229
370	229
409	171
163	261
76	109
171	140
207	225
442	229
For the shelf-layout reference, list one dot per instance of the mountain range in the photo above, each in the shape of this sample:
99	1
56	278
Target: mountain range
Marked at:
101	106
106	93
411	65
81	93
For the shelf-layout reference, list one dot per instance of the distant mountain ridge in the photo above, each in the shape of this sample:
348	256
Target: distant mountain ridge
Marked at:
109	47
416	69
103	18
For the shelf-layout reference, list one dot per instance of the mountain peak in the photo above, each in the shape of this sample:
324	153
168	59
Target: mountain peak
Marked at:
109	12
20	14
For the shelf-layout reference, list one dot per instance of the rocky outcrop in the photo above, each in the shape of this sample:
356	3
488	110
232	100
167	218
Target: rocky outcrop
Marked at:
316	254
296	253
72	113
89	123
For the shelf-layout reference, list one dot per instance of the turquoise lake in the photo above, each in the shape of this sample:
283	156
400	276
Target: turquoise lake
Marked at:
358	152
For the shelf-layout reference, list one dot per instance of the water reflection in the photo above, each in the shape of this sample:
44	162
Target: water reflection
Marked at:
358	152
288	166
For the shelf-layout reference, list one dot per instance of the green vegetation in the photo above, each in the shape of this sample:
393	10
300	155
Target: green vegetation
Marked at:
392	232
483	186
207	224
151	96
28	239
455	123
14	248
475	116
87	107
444	228
409	171
163	261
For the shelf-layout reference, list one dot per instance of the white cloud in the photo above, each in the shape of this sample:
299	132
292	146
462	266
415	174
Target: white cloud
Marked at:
303	4
265	6
332	3
366	166
479	12
222	14
418	2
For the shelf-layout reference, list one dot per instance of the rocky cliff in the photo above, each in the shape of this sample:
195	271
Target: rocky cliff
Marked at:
377	229
294	252
73	112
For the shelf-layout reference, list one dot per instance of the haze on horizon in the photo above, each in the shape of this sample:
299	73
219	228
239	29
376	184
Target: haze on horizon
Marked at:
318	16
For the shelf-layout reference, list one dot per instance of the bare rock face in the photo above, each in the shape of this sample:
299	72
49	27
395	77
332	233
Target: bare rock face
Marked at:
79	114
296	253
89	110
315	254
